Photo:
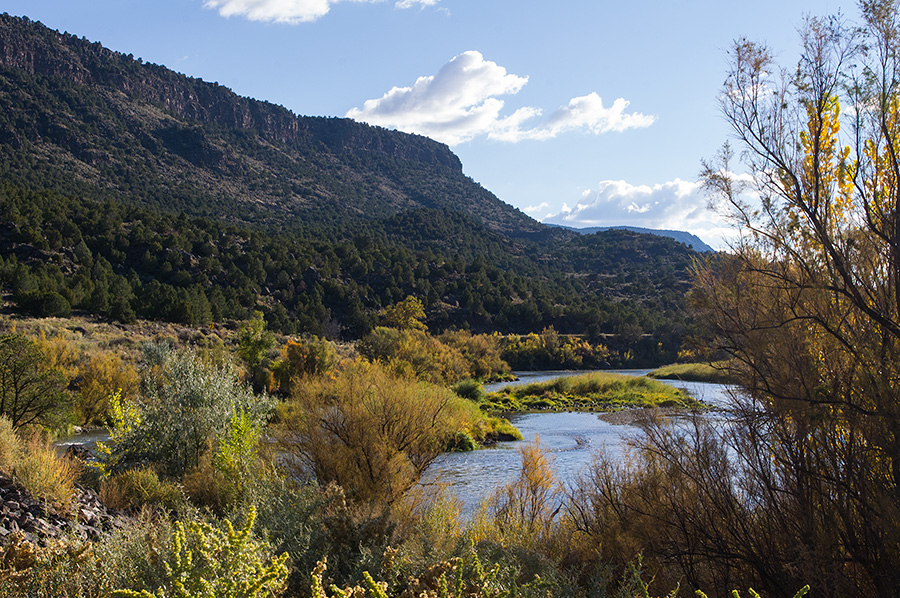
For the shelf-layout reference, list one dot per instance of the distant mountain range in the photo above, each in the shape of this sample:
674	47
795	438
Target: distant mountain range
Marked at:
129	190
691	240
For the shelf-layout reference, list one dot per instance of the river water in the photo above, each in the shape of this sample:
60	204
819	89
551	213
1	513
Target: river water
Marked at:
569	440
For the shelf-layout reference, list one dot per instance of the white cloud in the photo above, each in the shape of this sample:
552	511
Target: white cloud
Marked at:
542	206
461	102
674	205
291	12
413	3
585	112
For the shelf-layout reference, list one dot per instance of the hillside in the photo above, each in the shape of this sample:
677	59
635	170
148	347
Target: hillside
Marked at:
140	132
128	190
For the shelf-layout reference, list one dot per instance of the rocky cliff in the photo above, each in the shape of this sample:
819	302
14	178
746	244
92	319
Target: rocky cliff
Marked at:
113	120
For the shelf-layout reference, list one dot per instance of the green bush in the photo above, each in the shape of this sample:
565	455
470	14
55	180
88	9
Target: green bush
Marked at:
185	403
212	563
470	389
45	305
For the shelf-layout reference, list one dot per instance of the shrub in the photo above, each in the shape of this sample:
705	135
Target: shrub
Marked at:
127	556
415	353
99	374
225	475
213	563
368	430
45	304
134	488
300	358
186	402
10	446
206	487
523	512
470	389
45	475
482	351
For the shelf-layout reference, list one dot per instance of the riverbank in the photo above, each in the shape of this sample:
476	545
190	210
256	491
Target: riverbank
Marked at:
716	373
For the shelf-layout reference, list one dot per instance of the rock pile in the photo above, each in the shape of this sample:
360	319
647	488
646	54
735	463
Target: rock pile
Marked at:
87	519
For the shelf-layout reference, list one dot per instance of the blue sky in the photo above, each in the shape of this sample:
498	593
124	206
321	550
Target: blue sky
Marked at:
578	112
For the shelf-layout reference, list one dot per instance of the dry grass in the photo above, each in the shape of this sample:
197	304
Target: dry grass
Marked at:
45	475
10	446
135	488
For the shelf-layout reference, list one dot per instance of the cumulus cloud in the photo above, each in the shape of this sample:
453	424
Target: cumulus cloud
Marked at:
290	11
674	205
586	113
541	206
462	101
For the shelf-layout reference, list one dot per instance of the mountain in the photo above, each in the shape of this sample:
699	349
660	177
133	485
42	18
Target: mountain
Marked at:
198	147
691	240
129	190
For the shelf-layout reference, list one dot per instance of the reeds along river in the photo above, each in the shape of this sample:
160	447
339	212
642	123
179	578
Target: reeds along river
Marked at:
569	440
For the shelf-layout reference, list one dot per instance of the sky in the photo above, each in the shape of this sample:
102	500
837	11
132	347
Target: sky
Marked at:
578	112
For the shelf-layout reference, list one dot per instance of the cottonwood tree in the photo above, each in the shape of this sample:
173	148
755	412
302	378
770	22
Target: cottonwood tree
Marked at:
809	305
405	315
802	486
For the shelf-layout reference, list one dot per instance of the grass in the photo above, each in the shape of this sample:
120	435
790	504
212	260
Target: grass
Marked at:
694	372
45	475
10	447
597	391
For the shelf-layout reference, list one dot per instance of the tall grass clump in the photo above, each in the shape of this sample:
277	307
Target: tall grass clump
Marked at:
36	467
594	391
718	372
134	488
470	389
10	446
45	475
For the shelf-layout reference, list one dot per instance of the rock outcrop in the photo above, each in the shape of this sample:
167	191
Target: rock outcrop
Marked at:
87	519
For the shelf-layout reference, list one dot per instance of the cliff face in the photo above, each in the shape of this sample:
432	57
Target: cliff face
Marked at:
111	117
29	46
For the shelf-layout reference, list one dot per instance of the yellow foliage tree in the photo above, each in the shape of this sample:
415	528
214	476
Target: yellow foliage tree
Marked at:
808	303
405	315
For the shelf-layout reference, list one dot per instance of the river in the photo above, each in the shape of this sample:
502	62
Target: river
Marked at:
568	439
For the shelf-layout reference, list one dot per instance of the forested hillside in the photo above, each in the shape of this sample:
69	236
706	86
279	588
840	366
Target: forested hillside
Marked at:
128	190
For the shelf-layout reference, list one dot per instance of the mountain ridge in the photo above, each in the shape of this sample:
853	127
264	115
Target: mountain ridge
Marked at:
213	131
